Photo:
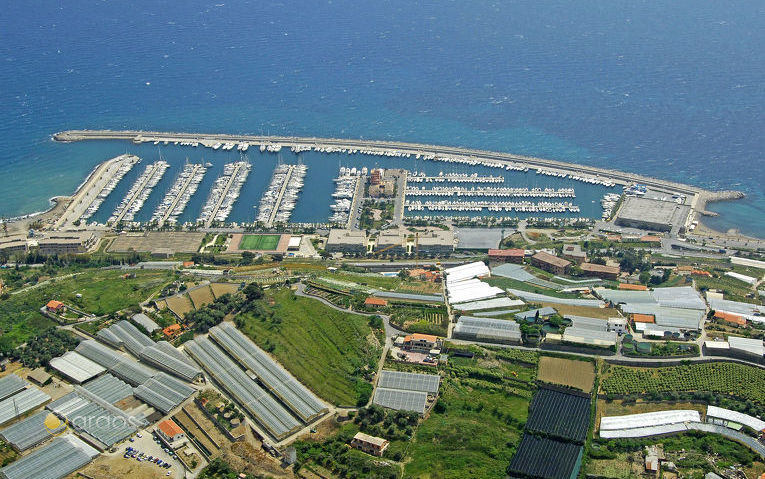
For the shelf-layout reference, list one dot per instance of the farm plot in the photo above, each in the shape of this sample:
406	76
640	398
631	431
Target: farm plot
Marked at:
542	457
180	305
559	414
736	380
201	296
426	319
567	372
219	289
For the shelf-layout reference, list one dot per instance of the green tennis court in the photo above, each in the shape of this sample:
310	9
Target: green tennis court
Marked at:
259	242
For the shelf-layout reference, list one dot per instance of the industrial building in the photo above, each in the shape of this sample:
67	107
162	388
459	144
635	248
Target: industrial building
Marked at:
21	403
102	423
487	330
63	456
298	398
347	242
31	431
145	322
550	263
161	355
405	391
10	385
155	388
265	409
651	214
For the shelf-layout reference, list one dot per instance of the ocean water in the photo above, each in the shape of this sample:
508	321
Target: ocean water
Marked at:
668	88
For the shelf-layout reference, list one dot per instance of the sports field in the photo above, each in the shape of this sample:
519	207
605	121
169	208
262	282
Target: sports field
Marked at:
259	242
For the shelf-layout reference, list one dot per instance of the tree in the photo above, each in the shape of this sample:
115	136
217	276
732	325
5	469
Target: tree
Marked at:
253	291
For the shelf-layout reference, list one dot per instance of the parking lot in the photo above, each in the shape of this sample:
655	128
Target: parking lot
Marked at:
115	464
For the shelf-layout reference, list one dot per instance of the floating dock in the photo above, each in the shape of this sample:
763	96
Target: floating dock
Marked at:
224	193
346	189
139	192
454	178
506	161
281	196
518	206
94	190
500	191
179	194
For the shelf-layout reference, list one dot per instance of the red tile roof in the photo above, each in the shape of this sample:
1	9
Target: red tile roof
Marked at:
421	337
731	318
372	301
170	428
643	318
172	329
633	287
53	304
506	253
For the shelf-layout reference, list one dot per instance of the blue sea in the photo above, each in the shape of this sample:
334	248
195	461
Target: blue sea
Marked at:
667	88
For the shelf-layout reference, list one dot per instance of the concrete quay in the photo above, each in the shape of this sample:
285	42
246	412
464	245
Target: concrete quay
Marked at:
89	190
387	148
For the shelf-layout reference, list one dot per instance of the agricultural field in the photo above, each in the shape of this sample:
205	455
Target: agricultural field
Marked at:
426	319
746	383
480	401
259	242
694	454
219	289
370	280
567	372
103	292
179	305
419	287
201	296
332	352
543	457
559	414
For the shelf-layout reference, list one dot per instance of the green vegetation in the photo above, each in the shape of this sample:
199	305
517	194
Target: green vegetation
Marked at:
662	349
375	215
335	457
208	316
259	242
7	454
745	383
689	451
103	292
332	352
392	425
219	469
220	407
41	348
476	423
108	291
424	319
